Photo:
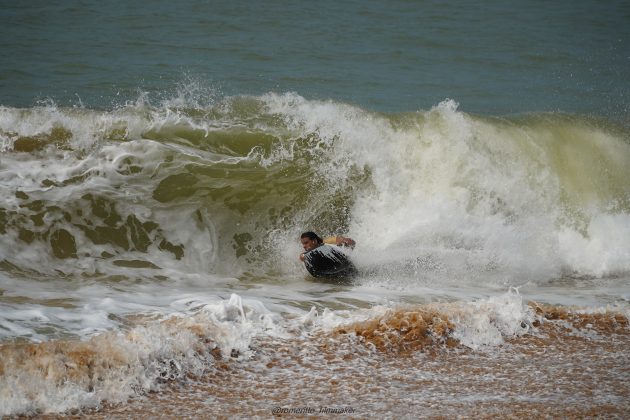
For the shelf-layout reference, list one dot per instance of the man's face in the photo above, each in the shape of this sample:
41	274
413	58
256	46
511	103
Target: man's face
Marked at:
308	243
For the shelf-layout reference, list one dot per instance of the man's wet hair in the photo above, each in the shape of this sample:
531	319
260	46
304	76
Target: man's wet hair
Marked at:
312	236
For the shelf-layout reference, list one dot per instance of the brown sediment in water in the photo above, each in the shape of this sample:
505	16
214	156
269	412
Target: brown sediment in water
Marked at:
604	322
58	136
105	364
404	331
571	365
81	363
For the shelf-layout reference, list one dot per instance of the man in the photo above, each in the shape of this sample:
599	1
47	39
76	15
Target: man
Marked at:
310	240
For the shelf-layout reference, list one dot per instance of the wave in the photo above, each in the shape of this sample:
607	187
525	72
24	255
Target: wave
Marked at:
151	353
436	196
60	375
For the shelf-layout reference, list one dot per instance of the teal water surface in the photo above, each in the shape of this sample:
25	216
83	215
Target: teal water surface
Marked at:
494	57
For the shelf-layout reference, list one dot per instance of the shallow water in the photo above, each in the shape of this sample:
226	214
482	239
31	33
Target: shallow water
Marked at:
405	364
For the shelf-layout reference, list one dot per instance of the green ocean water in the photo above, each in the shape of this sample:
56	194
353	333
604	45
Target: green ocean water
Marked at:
439	197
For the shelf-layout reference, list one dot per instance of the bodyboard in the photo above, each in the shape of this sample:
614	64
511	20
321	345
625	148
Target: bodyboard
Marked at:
329	261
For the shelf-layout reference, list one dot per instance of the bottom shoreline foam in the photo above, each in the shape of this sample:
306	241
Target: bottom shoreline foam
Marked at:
554	372
552	361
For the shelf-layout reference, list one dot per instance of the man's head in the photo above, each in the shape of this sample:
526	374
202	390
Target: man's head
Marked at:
310	240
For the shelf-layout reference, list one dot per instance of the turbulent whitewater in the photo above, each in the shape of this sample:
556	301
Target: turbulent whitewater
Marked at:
148	243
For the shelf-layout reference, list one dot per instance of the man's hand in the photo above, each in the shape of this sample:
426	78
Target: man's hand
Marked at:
343	241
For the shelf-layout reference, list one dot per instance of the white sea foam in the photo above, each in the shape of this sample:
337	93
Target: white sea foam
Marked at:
482	323
486	199
150	348
115	365
603	251
59	376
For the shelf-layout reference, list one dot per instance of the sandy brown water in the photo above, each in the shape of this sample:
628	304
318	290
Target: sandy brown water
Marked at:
405	365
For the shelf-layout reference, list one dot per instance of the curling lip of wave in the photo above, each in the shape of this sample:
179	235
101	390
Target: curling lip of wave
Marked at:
520	196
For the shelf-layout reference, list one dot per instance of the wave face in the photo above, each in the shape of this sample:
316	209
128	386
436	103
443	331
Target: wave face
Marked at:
434	195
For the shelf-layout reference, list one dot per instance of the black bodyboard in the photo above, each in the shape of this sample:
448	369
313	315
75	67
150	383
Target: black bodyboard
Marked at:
328	261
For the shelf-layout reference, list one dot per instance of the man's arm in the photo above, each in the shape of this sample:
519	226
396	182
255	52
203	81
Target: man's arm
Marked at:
340	241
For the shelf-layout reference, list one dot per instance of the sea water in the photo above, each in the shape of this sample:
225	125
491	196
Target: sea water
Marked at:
159	162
